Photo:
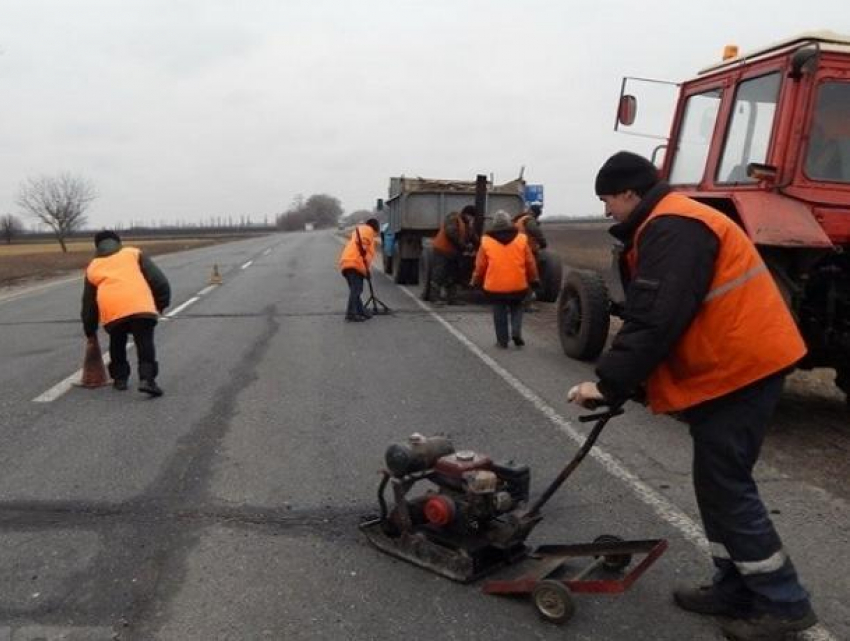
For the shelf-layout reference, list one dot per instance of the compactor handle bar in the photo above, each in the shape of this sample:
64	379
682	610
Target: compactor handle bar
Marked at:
601	419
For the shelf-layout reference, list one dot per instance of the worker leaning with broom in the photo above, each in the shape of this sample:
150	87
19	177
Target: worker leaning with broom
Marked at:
125	292
354	263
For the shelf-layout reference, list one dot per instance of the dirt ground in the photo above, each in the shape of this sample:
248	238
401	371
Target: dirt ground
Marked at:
811	430
25	263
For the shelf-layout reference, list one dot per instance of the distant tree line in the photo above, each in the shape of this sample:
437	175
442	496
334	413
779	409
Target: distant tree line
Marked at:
320	210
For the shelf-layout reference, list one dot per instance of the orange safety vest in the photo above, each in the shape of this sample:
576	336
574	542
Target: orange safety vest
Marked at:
743	331
441	241
505	268
121	287
351	257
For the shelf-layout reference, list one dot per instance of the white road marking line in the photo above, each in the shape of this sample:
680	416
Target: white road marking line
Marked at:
658	503
267	252
206	290
60	388
247	265
180	308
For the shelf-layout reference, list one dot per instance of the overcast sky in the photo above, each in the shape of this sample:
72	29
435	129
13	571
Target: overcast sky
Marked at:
182	110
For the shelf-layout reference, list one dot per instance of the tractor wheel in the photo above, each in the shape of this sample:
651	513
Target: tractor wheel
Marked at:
615	562
583	319
553	601
426	272
551	272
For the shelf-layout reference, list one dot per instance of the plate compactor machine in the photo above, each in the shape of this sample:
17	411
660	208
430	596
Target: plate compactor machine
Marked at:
473	518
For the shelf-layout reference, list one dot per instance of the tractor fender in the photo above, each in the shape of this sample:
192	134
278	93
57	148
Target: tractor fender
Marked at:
776	220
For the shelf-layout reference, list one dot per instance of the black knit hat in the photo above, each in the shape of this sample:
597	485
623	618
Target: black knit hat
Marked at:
103	235
374	224
623	171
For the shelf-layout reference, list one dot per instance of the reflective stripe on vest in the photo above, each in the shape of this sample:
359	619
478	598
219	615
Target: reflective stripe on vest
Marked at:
506	265
743	331
351	258
121	287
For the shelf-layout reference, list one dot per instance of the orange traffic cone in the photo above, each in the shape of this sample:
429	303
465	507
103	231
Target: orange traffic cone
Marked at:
94	371
215	277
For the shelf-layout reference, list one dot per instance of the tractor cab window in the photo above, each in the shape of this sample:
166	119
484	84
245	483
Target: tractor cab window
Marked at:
691	151
750	128
828	154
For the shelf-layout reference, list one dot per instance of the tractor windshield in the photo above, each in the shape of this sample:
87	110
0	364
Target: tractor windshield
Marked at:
828	154
750	128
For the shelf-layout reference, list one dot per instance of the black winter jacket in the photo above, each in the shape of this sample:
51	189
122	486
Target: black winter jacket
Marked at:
675	267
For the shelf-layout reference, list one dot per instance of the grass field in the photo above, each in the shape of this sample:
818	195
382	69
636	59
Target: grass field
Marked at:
25	262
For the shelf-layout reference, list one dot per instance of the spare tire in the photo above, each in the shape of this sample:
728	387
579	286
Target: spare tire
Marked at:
550	272
583	319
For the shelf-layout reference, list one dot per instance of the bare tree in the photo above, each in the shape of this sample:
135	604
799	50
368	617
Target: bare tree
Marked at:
59	202
10	227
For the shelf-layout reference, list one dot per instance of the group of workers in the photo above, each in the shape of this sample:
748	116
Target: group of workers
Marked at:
505	264
706	335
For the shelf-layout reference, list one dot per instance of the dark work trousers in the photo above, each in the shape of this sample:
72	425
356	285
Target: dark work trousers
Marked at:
753	570
355	289
142	331
503	312
445	274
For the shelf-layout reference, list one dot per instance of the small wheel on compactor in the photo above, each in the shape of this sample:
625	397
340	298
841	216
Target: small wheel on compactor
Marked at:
553	601
614	562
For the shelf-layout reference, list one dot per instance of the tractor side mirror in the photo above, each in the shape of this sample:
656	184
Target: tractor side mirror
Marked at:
627	110
760	171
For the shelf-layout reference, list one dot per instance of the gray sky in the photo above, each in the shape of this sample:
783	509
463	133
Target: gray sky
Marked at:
181	110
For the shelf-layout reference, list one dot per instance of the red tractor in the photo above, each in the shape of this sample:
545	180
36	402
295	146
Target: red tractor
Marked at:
765	138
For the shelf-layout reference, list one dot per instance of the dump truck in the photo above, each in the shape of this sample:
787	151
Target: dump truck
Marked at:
763	137
416	207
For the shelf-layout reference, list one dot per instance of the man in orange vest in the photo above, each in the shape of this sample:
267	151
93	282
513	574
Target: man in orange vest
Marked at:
125	292
455	236
505	267
354	263
707	334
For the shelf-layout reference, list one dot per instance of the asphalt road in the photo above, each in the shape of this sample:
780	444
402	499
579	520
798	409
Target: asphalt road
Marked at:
228	508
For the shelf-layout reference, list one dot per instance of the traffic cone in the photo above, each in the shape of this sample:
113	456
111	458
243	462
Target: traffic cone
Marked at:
215	277
94	371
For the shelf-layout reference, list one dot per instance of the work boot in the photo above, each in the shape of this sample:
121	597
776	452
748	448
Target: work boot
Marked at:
149	386
147	376
354	318
704	600
768	627
120	384
518	341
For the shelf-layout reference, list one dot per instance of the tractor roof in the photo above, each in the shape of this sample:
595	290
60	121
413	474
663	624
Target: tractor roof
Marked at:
825	40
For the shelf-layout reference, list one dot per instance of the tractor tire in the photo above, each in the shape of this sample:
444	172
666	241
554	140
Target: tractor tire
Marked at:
583	319
426	273
551	273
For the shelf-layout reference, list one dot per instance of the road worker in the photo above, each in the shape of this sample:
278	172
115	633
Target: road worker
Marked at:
456	236
505	267
708	336
354	263
528	223
125	292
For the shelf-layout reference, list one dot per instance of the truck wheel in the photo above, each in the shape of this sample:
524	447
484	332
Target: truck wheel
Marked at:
551	272
583	319
388	263
410	266
553	601
426	270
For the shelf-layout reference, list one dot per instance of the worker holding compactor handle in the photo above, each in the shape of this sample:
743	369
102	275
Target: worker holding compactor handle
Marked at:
707	335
